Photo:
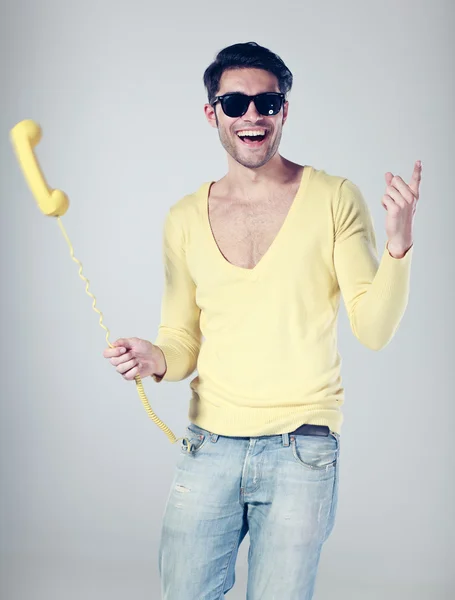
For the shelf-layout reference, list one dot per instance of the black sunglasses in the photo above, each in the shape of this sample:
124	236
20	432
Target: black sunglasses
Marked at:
236	104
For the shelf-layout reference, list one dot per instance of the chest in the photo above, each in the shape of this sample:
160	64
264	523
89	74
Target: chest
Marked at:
244	231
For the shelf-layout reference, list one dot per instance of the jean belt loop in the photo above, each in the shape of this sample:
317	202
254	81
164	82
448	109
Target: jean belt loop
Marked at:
285	438
214	437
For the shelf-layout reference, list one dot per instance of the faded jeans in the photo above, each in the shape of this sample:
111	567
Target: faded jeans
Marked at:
280	489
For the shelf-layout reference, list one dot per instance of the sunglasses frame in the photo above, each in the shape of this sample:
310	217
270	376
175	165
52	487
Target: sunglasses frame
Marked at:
249	98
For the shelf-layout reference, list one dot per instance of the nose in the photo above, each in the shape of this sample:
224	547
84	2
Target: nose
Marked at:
252	113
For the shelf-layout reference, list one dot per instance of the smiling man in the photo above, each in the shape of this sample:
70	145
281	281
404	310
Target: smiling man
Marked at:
255	266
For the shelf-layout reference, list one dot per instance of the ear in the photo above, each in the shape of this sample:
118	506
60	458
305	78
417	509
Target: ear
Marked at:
210	115
285	111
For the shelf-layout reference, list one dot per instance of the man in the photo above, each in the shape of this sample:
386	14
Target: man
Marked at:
254	267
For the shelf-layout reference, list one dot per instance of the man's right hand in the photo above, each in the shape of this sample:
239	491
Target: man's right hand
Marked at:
133	356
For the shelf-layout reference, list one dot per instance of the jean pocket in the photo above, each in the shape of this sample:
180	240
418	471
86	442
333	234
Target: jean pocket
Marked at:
194	439
315	452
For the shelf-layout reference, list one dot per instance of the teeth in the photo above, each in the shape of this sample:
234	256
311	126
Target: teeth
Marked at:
251	133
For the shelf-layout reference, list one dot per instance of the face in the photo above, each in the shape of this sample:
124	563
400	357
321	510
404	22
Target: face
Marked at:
250	154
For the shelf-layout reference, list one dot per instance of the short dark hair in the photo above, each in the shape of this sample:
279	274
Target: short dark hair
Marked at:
246	55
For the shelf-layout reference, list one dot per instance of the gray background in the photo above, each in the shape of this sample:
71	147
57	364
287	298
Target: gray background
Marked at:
117	88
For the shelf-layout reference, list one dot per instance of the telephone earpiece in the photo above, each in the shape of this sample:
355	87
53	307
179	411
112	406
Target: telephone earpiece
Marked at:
25	136
54	203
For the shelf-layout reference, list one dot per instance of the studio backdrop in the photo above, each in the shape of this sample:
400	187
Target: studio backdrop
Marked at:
117	89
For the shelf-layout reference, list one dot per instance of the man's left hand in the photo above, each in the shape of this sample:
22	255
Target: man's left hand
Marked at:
400	201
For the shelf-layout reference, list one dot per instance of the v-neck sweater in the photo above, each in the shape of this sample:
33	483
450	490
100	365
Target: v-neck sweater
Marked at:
264	340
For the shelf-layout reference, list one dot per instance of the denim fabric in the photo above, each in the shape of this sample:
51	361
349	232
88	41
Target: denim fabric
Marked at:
280	489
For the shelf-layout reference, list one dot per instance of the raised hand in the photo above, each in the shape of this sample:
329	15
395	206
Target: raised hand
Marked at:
400	201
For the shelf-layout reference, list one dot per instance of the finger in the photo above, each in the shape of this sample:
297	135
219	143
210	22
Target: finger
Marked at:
397	196
388	203
388	178
110	352
133	372
127	366
119	360
416	178
403	188
125	342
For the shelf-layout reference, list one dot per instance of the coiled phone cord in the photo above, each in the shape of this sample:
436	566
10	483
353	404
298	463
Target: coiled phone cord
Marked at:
139	386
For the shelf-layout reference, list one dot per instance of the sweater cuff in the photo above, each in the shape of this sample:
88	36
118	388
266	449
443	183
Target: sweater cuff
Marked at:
173	358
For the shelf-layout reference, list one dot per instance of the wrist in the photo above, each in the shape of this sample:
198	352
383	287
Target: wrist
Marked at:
397	252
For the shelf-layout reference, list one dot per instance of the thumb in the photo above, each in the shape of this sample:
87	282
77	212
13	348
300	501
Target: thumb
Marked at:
125	342
388	178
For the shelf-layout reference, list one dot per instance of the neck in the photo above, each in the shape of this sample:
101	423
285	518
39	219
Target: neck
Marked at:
246	181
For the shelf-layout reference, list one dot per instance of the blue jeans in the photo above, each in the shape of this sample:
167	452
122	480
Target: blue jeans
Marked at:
280	489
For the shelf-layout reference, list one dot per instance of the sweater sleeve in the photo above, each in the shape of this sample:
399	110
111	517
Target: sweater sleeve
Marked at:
179	335
375	292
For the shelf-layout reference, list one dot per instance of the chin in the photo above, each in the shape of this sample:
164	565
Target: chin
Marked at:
248	157
255	164
254	161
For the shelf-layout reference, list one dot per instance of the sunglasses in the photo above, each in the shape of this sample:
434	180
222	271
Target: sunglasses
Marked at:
236	104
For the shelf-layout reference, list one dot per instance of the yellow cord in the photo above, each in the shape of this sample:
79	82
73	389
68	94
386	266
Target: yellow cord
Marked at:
138	380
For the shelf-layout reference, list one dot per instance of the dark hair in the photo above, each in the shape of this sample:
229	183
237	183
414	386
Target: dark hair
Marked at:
248	55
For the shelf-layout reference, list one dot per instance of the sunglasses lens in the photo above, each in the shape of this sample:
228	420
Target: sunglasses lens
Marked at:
235	105
268	104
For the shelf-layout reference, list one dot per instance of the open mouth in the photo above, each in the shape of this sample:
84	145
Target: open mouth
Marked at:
251	137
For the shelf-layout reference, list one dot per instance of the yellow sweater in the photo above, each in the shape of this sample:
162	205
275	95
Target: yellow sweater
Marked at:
264	340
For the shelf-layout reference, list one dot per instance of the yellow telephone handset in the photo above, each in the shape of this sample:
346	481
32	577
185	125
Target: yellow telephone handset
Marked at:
25	136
